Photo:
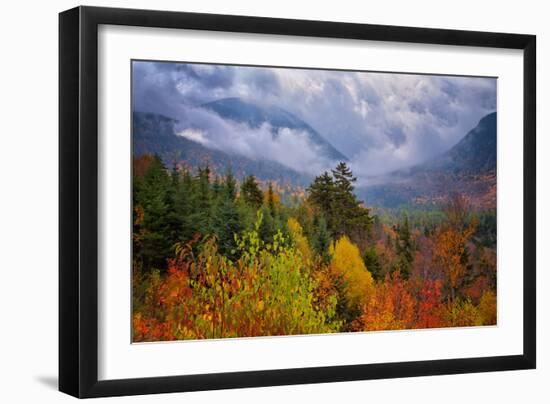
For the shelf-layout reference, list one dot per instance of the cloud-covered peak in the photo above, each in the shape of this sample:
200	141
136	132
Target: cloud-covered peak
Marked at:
381	121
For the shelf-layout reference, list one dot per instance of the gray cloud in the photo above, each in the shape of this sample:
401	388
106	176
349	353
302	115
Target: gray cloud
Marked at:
383	121
289	147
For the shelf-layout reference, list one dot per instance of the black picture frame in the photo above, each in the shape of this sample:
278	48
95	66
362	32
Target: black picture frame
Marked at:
78	201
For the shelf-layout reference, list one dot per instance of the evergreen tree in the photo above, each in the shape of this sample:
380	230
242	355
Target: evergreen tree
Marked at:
175	175
230	185
217	188
174	220
373	263
202	202
334	197
321	239
151	244
345	203
271	200
405	248
251	193
346	311
344	179
321	193
267	227
184	206
227	223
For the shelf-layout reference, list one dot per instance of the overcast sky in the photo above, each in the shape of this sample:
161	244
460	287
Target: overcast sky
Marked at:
381	121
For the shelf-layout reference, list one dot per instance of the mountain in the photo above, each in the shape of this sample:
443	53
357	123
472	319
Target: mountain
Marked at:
155	134
469	167
240	111
474	153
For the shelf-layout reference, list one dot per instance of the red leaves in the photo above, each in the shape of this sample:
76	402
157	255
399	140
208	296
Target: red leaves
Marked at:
395	305
427	308
290	290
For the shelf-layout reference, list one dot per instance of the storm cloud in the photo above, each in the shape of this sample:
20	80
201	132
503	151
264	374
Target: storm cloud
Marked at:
381	121
287	146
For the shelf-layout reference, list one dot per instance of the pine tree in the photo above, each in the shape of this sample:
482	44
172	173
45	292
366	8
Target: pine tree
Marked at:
343	178
373	263
345	203
405	248
321	193
226	223
202	202
152	200
267	227
184	206
251	193
334	197
217	188
230	185
174	220
271	200
321	239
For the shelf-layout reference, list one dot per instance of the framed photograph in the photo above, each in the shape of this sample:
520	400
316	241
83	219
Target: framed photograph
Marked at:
251	201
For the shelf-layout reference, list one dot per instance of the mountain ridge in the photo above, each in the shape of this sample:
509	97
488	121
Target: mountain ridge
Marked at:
475	152
238	110
155	134
469	167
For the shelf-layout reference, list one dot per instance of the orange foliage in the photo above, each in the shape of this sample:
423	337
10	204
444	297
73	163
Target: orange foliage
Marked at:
393	306
142	164
449	250
477	288
389	307
276	198
208	296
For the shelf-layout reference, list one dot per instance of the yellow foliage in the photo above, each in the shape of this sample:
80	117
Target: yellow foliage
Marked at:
462	313
297	234
347	261
488	308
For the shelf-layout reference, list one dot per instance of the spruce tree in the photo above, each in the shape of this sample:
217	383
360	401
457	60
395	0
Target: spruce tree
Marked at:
343	178
230	185
405	248
251	193
271	200
321	193
345	203
203	198
267	227
372	263
321	239
174	219
186	205
334	197
217	188
152	199
226	223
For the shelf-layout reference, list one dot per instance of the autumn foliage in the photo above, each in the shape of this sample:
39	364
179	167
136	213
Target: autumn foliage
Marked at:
215	261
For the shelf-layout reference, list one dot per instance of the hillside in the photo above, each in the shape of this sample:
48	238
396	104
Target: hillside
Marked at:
253	115
154	134
469	168
474	153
